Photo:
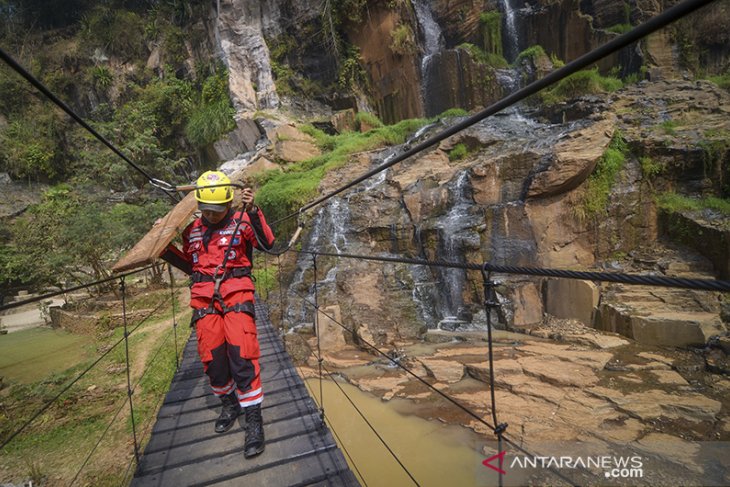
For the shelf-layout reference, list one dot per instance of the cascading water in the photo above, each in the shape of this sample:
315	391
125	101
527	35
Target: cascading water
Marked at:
456	232
512	46
433	43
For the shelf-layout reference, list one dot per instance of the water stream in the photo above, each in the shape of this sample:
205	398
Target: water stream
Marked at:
436	454
433	43
512	46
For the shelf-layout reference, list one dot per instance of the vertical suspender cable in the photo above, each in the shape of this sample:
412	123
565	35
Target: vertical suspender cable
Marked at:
490	303
174	319
281	301
319	338
123	289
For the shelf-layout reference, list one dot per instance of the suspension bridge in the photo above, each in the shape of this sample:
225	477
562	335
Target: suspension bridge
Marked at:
301	449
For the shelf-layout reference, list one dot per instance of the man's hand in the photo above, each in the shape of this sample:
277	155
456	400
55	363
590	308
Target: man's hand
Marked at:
247	198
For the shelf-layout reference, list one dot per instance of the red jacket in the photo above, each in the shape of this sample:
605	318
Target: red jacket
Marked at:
204	248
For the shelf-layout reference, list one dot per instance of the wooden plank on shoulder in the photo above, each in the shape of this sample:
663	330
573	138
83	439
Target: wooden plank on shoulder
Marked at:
151	246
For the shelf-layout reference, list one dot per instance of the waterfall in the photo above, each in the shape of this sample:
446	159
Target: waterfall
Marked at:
512	46
432	45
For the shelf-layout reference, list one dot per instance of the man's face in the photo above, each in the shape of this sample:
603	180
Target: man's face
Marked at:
214	216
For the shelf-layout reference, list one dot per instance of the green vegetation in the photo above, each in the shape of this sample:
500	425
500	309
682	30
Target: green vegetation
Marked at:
722	80
30	355
491	31
460	151
674	203
367	119
403	40
80	416
281	193
352	75
669	127
265	280
454	112
650	168
53	242
620	28
578	84
603	178
531	53
484	58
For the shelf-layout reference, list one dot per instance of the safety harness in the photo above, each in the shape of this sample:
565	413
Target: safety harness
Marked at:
220	275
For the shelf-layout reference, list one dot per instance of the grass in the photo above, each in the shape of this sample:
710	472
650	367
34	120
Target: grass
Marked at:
531	53
650	168
282	193
620	28
454	112
578	84
368	119
669	127
485	58
63	435
209	122
601	181
30	355
459	152
721	80
676	203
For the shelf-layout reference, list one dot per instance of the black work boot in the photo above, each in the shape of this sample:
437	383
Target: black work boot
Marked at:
254	443
229	413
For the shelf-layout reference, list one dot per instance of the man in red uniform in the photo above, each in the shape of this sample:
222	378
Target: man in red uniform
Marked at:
217	248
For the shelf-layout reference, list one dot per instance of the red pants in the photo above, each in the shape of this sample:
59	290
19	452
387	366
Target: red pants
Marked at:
229	349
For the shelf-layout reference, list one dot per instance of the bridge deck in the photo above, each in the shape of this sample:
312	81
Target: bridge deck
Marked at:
184	449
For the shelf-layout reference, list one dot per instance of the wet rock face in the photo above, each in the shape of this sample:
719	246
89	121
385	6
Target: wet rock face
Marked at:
513	199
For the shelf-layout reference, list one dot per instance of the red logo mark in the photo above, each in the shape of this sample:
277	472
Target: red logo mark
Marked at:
488	461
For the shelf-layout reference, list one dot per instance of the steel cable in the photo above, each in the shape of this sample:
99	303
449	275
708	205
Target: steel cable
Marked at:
617	277
162	185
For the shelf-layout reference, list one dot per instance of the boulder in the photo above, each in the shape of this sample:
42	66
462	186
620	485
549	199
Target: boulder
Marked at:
573	160
527	305
344	121
261	165
572	299
292	145
242	139
331	335
444	370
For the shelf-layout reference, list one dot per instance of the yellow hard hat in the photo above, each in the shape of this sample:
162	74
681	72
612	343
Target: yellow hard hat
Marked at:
216	197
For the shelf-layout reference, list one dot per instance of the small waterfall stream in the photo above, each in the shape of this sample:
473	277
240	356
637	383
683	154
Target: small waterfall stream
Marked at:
512	46
433	43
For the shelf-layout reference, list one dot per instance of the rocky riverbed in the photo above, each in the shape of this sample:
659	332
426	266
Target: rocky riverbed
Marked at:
565	384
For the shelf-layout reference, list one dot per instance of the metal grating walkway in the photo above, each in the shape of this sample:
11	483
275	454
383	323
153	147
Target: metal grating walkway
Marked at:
185	451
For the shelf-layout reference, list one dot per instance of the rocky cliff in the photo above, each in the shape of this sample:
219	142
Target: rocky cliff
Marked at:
520	194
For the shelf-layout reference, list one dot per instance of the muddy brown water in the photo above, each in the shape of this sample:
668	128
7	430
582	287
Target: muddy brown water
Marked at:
435	454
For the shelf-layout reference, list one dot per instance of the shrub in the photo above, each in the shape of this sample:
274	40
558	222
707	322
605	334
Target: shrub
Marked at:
484	58
599	184
403	40
578	84
673	203
101	76
650	167
368	119
458	152
491	25
531	53
620	28
209	121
